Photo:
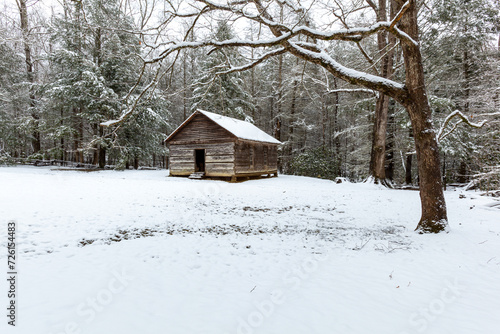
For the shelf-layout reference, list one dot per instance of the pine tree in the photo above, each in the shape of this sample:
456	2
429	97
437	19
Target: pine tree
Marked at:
459	48
222	94
12	100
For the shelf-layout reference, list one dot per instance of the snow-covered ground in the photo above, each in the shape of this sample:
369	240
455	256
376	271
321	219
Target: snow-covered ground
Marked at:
137	252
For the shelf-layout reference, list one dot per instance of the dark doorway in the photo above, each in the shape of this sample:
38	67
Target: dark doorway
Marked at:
199	156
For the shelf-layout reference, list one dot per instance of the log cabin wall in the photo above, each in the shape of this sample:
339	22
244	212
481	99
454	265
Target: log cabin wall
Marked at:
219	159
255	158
181	160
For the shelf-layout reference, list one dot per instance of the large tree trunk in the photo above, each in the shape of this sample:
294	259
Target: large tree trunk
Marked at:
378	154
324	121
291	126
63	150
23	13
78	136
336	127
102	150
389	145
277	120
408	178
377	161
279	102
434	217
184	90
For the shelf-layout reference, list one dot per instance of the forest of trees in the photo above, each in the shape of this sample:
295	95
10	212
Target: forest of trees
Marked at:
67	66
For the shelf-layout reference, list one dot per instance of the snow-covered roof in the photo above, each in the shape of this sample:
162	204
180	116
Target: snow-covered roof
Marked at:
241	129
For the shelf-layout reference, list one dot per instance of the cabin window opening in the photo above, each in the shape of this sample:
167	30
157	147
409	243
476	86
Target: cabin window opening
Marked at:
199	158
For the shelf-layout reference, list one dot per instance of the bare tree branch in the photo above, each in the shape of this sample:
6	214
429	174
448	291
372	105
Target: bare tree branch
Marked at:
400	14
372	5
388	87
285	40
353	90
254	63
463	119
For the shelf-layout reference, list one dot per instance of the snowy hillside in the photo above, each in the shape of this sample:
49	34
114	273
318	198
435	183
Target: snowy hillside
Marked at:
137	252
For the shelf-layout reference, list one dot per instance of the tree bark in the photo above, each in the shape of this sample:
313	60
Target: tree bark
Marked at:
462	172
100	157
389	145
63	150
378	154
444	171
184	90
277	121
95	156
408	178
291	126
377	161
336	127
23	13
78	136
102	150
324	120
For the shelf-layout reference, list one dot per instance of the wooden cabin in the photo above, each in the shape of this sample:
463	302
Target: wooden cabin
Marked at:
211	145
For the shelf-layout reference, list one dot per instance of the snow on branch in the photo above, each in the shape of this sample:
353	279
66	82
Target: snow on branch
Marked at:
463	119
284	33
326	85
489	114
400	14
490	171
121	119
254	63
373	82
285	40
357	34
402	36
126	114
176	46
353	90
262	19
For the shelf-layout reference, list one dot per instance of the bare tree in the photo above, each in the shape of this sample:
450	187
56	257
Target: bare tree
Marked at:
23	13
299	37
386	43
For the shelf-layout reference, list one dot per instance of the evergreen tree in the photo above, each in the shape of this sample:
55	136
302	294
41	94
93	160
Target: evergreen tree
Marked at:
222	94
459	47
13	140
94	68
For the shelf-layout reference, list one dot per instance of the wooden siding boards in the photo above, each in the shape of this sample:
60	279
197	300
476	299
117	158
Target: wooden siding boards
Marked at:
201	129
225	154
250	158
219	159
